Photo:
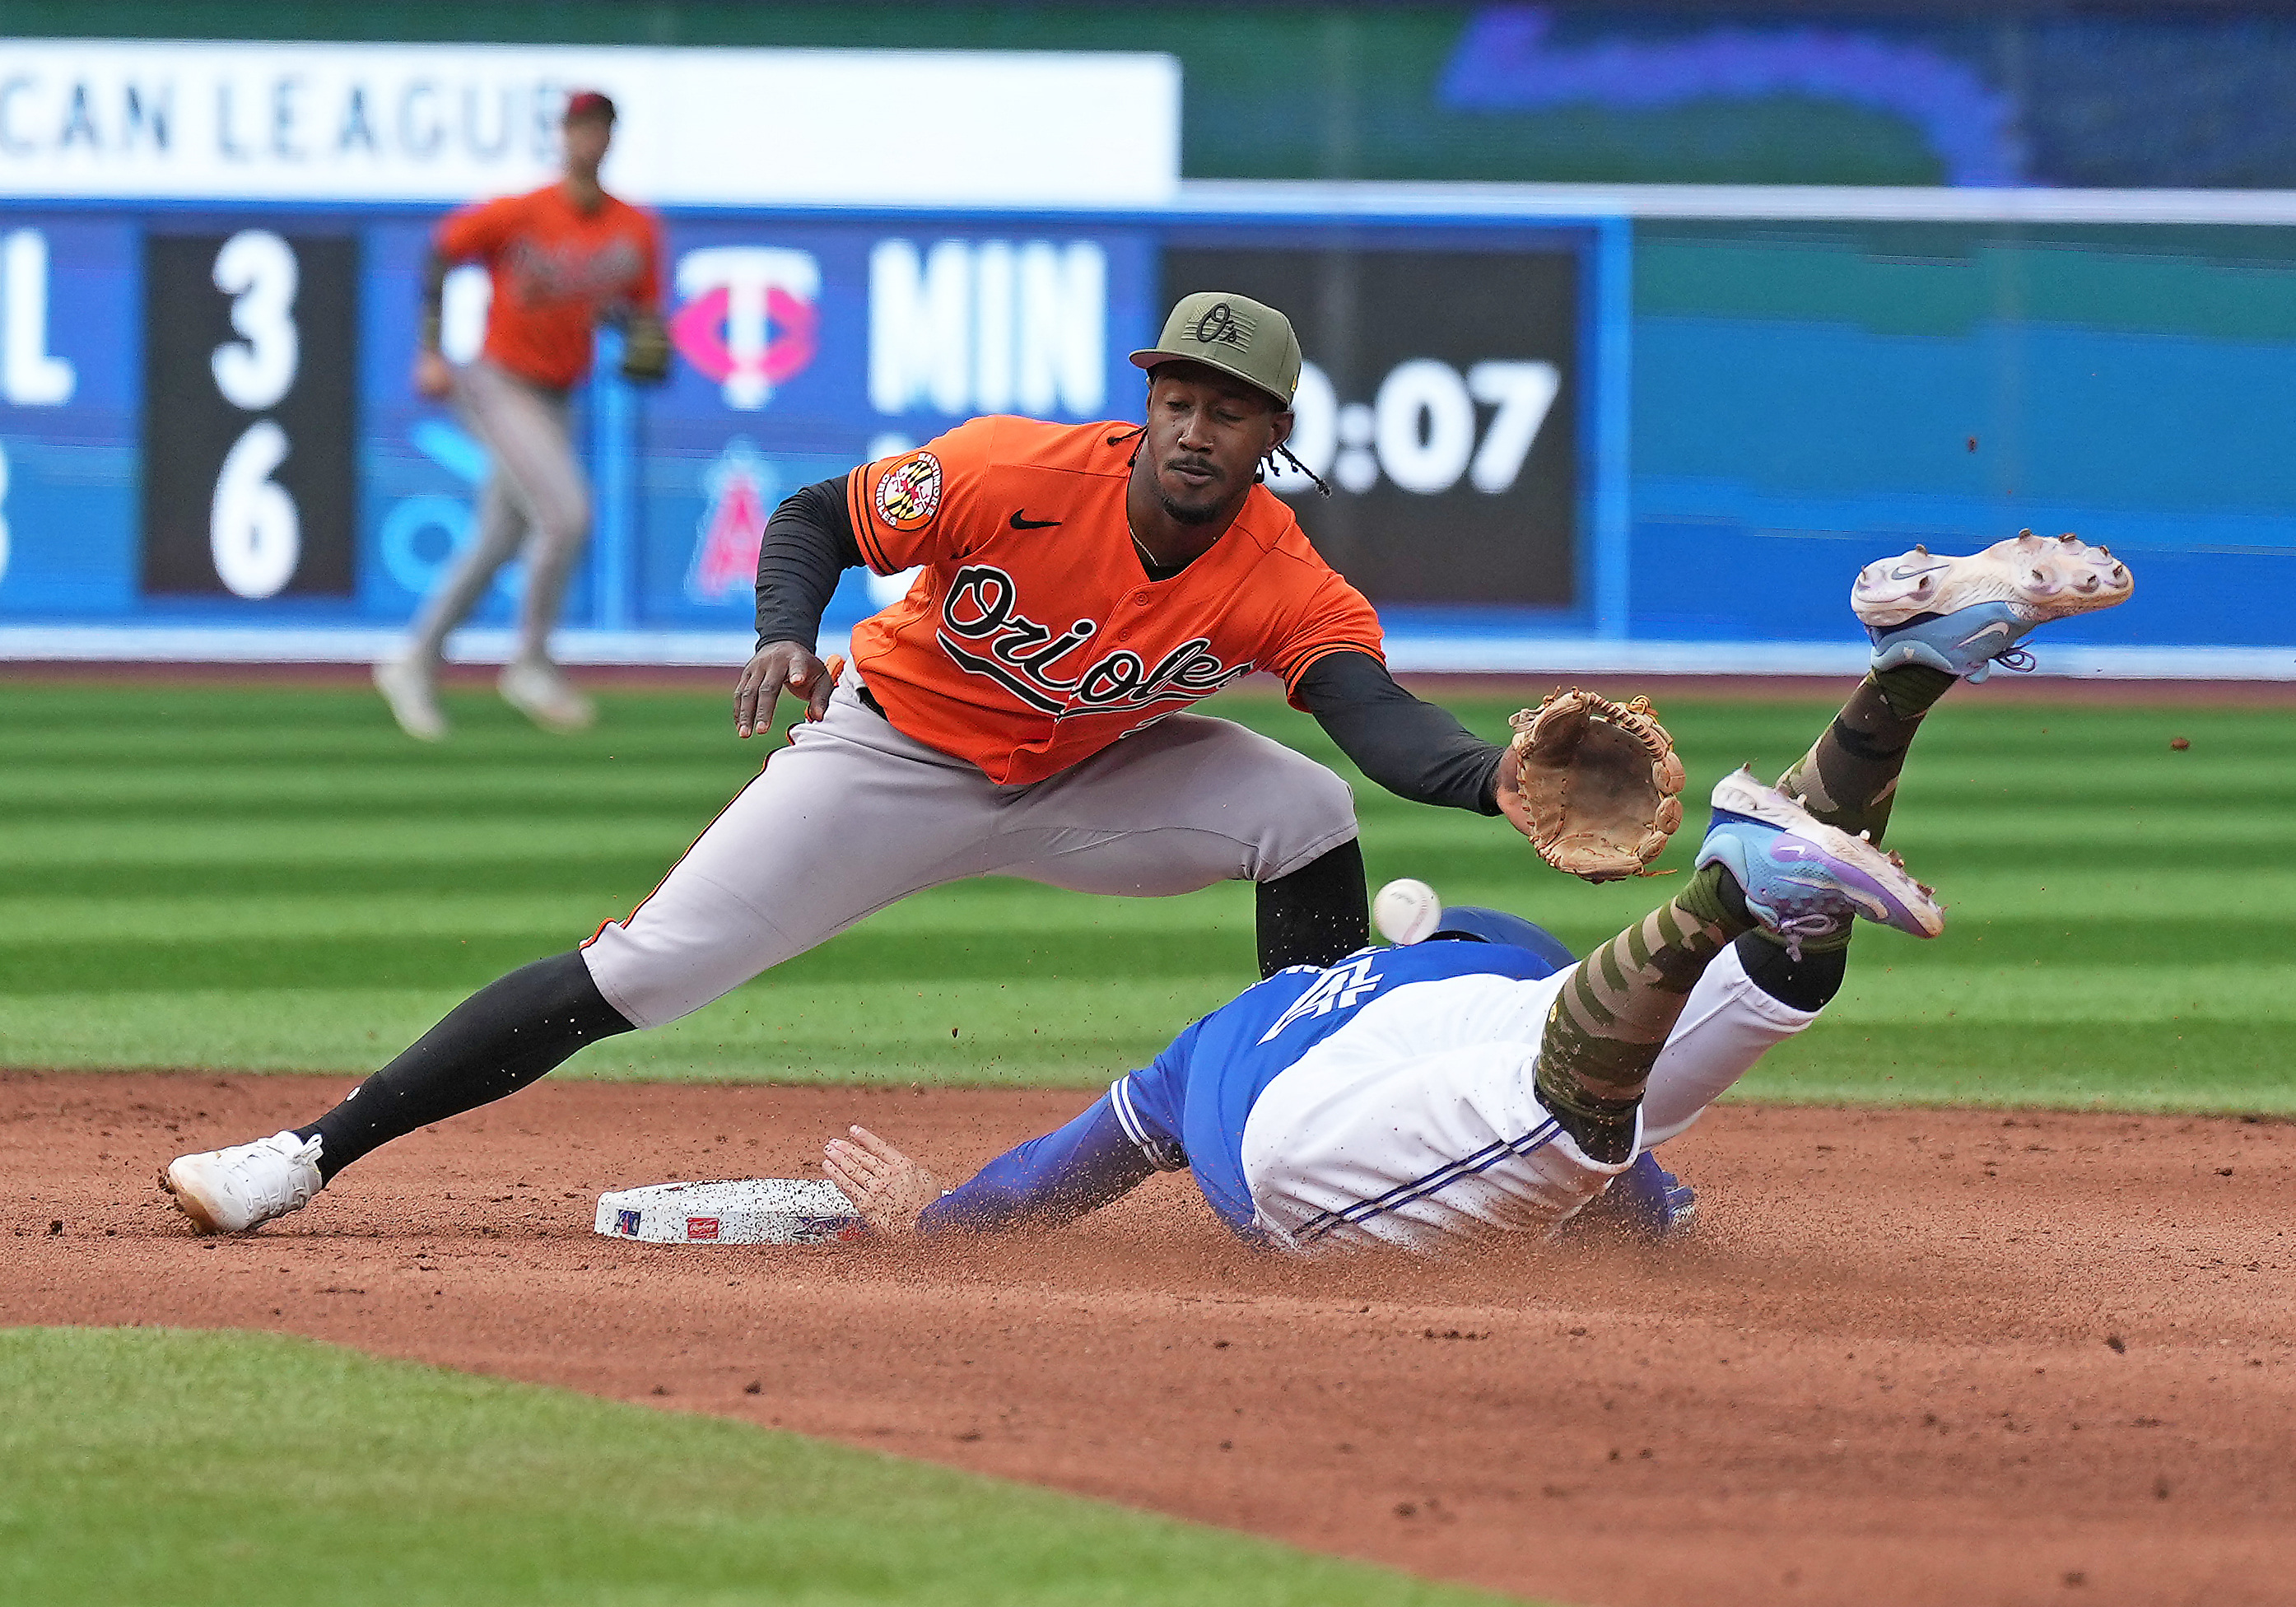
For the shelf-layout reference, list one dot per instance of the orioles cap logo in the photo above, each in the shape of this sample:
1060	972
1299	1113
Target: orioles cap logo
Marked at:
908	494
1222	326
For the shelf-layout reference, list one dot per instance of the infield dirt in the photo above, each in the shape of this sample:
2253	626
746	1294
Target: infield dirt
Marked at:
1911	1355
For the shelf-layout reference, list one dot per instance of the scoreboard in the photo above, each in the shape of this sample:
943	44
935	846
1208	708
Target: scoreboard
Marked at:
206	413
249	348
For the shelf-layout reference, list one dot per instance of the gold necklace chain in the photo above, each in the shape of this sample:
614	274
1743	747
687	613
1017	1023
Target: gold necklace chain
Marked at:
1139	546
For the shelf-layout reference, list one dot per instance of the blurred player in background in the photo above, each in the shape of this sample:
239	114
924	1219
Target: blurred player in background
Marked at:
562	260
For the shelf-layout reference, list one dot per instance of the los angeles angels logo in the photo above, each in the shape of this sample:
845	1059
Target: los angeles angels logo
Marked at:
984	632
740	487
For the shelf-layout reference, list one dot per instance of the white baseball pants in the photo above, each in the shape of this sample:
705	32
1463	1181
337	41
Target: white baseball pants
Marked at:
536	487
1729	1024
853	816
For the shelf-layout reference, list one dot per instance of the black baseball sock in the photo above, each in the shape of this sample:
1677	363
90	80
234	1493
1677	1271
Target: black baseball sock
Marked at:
491	1044
1316	915
1808	982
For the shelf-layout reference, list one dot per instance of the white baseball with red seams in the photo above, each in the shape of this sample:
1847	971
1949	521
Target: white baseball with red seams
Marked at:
1406	911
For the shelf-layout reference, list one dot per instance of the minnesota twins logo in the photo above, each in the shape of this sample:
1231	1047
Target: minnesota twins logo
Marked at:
1222	326
984	632
752	319
908	495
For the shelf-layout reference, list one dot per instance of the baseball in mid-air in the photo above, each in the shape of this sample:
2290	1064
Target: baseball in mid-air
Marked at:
1406	911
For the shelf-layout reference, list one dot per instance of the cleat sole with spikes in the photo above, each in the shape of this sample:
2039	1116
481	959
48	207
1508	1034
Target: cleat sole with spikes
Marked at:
2038	578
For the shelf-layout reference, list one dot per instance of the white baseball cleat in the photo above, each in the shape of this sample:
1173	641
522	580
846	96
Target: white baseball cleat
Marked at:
412	694
1963	615
230	1191
535	688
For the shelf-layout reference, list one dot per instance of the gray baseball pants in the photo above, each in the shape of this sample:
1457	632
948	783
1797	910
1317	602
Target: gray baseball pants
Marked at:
853	816
536	485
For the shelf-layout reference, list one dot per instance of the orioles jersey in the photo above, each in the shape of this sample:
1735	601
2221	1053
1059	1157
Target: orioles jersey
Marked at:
1032	636
556	270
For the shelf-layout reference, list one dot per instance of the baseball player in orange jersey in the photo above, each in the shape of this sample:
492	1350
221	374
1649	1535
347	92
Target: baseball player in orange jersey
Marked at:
562	258
1021	712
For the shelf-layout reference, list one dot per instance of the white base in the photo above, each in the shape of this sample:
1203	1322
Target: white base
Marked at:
749	1210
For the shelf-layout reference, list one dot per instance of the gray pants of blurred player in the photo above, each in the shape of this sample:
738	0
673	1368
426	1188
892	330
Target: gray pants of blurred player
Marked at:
536	485
853	816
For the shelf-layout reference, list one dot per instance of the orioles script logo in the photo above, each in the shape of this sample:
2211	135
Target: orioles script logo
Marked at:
984	631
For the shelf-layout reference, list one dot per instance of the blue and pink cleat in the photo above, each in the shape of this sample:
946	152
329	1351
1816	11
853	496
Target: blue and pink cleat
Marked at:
1803	879
1964	615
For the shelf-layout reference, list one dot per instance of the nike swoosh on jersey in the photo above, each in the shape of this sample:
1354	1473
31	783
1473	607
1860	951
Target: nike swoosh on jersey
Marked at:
1021	521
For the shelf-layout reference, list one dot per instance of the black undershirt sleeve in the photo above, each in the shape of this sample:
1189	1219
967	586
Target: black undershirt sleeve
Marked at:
808	543
1413	749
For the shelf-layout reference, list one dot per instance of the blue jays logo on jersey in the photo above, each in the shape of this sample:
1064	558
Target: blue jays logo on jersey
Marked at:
1341	987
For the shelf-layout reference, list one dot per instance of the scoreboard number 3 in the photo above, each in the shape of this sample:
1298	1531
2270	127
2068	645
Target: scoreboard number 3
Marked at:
248	414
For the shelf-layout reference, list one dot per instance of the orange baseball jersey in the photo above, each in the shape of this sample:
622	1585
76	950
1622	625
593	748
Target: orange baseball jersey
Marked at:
1033	637
556	269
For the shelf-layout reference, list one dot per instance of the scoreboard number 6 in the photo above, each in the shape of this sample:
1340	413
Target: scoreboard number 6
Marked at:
254	533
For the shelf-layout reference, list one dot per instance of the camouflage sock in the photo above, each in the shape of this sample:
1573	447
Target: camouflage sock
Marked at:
1608	1024
1850	776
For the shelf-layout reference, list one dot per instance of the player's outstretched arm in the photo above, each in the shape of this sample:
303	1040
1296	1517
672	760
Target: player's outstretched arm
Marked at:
808	544
1412	748
1047	1182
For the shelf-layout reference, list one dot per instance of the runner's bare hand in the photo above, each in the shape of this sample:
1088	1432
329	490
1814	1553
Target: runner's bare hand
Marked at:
887	1187
780	666
434	376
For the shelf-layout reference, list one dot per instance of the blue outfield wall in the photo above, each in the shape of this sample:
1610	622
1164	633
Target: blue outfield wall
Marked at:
1805	397
1736	415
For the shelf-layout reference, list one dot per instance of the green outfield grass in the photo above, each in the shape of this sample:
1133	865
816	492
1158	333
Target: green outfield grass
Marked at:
273	878
256	1470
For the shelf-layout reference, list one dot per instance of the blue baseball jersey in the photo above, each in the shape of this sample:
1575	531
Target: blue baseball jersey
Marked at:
1189	1108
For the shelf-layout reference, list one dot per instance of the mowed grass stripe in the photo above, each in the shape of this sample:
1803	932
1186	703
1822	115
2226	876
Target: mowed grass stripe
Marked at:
2245	907
332	840
1044	1032
389	961
2180	1065
958	911
247	1470
2099	981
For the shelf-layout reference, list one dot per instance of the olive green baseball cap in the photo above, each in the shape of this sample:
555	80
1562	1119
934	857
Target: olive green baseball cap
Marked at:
1246	338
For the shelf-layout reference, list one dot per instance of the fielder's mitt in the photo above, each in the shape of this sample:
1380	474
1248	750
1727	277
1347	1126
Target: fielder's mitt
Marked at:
1599	783
645	349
